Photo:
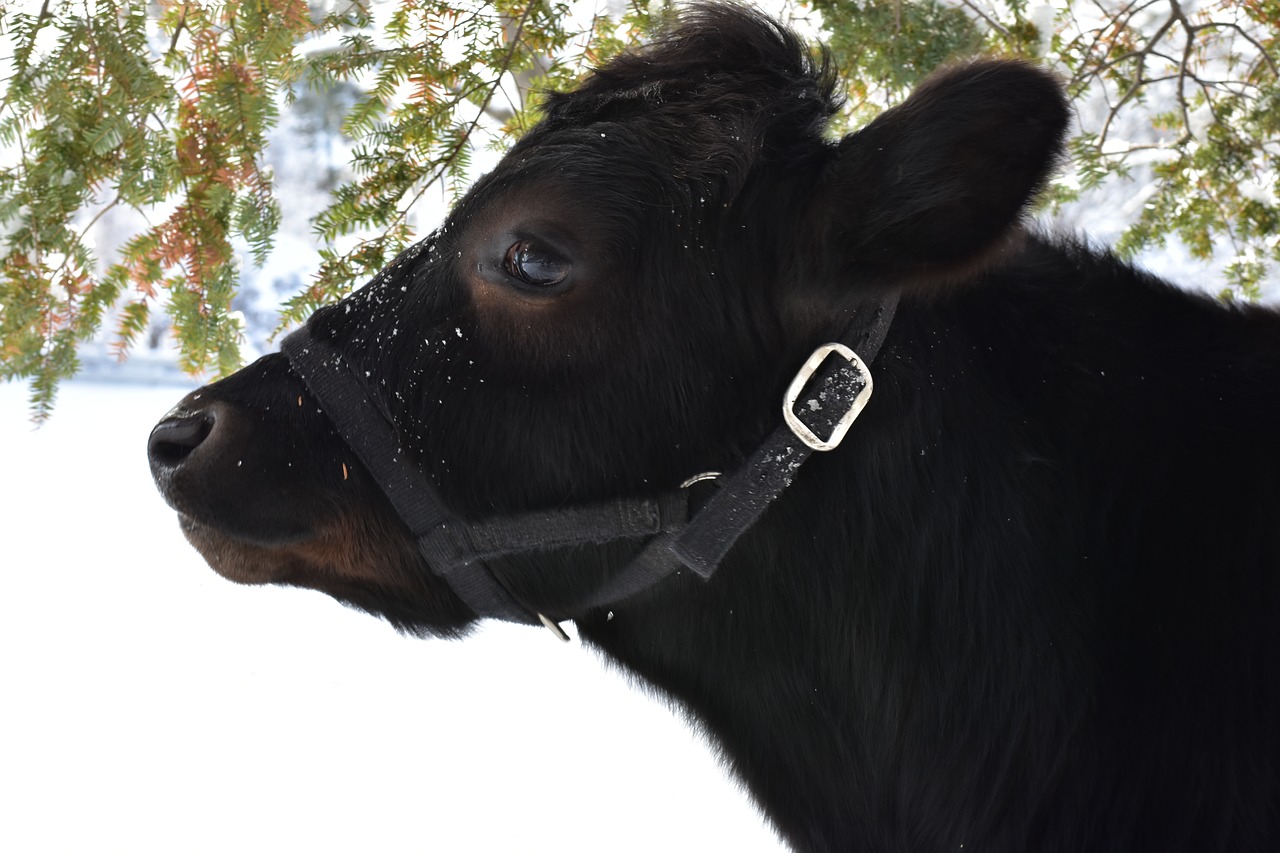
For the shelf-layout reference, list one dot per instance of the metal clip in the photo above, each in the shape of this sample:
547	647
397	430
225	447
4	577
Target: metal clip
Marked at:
554	628
698	478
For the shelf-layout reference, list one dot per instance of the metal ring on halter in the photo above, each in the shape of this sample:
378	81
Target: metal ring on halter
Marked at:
555	628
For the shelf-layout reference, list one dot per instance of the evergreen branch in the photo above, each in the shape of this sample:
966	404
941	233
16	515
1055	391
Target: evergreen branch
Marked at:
1264	55
448	160
66	260
22	55
987	19
1141	57
177	31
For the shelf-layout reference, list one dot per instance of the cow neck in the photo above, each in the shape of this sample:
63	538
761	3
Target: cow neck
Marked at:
675	533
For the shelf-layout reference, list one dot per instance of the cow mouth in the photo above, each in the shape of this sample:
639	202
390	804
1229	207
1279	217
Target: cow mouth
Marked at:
236	560
349	552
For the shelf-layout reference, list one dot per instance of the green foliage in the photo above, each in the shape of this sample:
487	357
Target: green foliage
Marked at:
164	108
104	114
1208	168
886	47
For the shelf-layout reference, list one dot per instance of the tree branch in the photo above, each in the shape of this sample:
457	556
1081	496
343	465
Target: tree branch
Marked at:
452	155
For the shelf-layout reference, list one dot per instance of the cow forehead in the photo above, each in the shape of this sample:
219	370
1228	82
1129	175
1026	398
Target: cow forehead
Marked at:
639	202
645	162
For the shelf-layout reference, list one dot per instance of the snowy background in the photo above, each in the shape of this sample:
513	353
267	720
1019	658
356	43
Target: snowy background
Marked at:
147	704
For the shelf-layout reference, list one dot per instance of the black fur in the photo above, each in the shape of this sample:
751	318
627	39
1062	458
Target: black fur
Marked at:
1032	603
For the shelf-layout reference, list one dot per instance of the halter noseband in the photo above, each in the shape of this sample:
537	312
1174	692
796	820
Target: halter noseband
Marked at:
825	397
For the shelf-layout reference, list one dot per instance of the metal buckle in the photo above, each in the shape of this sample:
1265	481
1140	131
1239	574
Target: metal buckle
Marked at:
858	403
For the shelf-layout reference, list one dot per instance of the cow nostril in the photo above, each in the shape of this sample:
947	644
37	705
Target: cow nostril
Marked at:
174	439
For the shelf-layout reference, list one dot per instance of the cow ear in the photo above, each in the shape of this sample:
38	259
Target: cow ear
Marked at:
934	184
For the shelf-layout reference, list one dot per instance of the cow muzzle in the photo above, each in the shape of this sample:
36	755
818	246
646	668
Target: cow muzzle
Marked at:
215	464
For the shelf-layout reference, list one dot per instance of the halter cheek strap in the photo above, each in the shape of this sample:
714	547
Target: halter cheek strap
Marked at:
826	396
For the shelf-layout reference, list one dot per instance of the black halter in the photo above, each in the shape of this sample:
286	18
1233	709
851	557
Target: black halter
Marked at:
825	397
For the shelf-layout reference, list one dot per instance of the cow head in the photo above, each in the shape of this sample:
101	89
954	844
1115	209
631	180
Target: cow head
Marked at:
617	306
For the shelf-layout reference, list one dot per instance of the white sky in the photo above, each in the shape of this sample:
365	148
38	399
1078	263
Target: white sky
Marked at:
146	704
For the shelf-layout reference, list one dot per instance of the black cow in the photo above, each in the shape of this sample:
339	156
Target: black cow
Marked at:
1030	603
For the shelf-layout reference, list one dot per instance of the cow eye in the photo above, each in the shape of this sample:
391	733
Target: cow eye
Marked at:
535	265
